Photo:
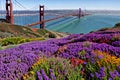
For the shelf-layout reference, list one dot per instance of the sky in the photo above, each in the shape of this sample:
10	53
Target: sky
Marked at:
66	4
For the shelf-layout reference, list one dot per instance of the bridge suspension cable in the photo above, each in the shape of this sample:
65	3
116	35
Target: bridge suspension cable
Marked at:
36	6
27	13
0	4
0	9
20	4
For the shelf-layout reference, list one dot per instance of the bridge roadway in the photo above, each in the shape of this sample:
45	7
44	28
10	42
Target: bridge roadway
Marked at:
36	23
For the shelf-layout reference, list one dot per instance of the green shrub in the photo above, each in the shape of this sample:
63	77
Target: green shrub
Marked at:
8	41
52	35
37	39
17	40
117	25
23	40
1	48
104	29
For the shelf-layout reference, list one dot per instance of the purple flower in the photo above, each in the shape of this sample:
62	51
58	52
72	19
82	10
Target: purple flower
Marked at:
110	78
102	68
118	67
91	74
100	56
45	77
92	60
97	74
87	55
102	74
102	71
16	61
39	75
52	75
116	73
112	74
85	63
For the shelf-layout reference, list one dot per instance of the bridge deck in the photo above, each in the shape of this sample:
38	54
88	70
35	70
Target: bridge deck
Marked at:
36	23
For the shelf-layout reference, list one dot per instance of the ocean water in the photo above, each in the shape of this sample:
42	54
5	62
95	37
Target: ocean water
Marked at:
86	24
72	24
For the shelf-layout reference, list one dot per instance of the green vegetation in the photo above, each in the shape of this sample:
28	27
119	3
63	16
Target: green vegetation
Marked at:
117	25
8	30
1	48
103	29
18	40
59	67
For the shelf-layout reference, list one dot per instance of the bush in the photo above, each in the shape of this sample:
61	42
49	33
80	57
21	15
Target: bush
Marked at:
17	40
11	40
104	29
117	25
37	39
5	34
52	36
1	48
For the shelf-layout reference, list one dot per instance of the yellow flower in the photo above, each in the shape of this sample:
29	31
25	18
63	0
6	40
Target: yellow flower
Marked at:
31	72
40	60
24	78
107	59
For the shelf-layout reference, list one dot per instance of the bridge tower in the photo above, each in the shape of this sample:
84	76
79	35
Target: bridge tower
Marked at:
42	26
9	11
80	13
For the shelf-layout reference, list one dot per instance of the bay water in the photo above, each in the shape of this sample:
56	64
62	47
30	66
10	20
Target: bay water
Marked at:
72	24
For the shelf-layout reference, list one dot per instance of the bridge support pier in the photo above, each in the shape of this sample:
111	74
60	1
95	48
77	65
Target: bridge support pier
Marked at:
80	13
9	12
42	26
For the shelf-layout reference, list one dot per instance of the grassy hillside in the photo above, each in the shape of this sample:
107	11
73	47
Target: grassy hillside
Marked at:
12	35
8	30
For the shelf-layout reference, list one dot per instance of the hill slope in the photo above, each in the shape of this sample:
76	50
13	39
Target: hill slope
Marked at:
8	30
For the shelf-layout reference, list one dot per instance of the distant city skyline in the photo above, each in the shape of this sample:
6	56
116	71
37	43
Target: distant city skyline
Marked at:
64	4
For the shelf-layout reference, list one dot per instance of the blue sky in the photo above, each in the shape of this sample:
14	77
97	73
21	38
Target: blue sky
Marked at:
70	4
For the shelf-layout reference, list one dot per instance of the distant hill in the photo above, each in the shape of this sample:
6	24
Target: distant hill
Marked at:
115	28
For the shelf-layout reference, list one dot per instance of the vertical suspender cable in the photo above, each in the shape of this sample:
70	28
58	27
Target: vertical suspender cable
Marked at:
0	9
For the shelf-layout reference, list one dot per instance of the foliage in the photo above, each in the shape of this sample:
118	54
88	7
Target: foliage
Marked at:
5	34
104	29
117	25
1	48
104	67
55	69
17	40
52	36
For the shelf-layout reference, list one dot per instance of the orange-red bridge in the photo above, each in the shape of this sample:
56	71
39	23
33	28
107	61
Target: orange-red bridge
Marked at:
10	16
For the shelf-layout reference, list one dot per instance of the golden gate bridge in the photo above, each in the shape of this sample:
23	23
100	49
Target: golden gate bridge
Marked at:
42	21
